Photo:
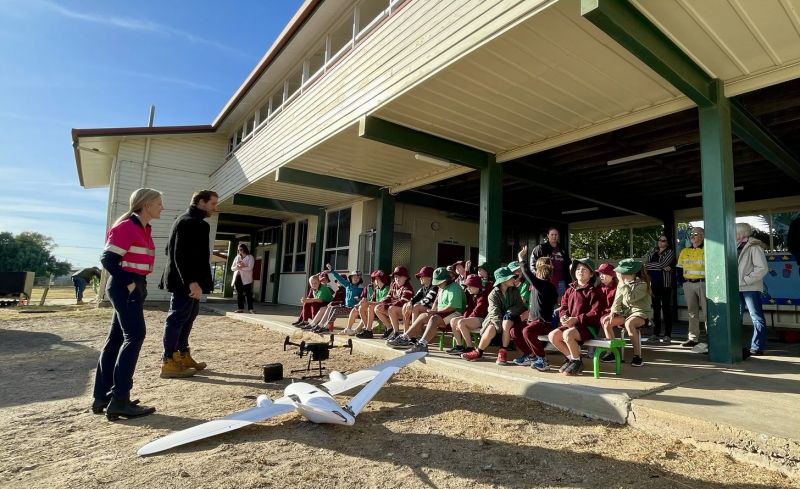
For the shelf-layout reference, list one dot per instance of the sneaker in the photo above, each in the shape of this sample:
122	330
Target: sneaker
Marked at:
564	366
541	364
700	348
637	361
456	350
238	311
297	323
689	343
665	340
365	334
522	361
757	353
608	357
349	331
319	329
418	348
401	342
651	340
308	326
501	357
252	311
575	367
471	356
387	333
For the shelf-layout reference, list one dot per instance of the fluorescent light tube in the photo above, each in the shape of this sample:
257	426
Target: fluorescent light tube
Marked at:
639	156
579	211
432	160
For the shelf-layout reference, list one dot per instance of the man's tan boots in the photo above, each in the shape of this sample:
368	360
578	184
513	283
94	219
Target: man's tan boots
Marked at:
173	368
188	361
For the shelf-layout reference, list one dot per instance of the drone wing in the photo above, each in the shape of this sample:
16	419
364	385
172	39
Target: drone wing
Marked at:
357	403
342	383
218	426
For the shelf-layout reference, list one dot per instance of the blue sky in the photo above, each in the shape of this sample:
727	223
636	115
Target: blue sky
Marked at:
101	63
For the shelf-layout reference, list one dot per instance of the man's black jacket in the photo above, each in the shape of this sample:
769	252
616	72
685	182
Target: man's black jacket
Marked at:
188	253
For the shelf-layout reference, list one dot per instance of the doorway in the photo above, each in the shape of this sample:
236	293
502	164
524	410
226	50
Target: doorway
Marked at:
449	253
267	276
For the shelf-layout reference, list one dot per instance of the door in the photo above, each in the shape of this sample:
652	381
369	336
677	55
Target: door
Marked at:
448	253
265	271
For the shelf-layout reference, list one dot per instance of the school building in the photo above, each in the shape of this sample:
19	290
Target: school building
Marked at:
417	132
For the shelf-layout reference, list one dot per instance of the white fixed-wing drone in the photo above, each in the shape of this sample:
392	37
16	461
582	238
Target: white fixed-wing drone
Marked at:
313	402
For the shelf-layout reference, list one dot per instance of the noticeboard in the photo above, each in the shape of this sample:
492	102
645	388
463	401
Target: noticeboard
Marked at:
782	282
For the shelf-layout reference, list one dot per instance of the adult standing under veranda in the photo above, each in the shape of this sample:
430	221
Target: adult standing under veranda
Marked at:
692	274
659	263
242	269
752	269
81	278
559	259
129	256
187	277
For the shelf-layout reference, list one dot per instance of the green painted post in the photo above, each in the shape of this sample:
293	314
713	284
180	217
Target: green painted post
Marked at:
278	262
385	232
490	227
227	288
719	216
318	249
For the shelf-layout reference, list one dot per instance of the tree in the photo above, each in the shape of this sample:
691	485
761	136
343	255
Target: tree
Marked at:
30	252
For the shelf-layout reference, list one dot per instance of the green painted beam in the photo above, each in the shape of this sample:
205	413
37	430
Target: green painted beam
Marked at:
248	220
278	262
719	216
758	137
275	204
547	180
326	182
236	229
386	132
632	30
227	286
384	239
320	245
490	224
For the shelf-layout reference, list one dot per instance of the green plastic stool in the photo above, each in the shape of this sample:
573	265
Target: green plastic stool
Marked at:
616	347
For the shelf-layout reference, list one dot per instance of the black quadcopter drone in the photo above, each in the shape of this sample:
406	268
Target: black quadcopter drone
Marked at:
318	352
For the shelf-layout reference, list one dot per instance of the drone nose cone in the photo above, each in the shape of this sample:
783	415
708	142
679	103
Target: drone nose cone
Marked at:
263	400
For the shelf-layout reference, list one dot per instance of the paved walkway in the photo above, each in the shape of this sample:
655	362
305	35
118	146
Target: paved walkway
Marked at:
752	407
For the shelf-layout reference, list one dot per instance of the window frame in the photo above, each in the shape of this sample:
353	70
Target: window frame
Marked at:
337	248
295	251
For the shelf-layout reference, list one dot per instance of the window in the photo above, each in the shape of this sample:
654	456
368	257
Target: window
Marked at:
263	112
249	125
295	247
337	239
370	12
238	136
780	229
341	39
276	100
231	143
293	83
314	63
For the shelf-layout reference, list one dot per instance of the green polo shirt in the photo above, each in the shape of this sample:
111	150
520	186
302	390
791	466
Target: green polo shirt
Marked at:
380	294
324	293
452	296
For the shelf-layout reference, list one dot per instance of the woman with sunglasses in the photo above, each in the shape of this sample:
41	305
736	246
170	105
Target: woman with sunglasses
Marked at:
659	263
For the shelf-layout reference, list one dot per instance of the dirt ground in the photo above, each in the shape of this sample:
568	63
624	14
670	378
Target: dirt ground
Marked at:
420	431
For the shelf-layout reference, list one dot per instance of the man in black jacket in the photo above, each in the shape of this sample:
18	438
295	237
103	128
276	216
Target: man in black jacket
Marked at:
187	276
560	259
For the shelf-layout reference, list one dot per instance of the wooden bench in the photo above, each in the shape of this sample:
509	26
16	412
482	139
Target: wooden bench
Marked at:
615	346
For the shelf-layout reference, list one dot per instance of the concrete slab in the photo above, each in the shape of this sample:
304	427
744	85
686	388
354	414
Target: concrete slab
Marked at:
750	410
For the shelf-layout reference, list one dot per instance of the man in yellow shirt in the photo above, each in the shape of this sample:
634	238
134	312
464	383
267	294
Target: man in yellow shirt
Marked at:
692	272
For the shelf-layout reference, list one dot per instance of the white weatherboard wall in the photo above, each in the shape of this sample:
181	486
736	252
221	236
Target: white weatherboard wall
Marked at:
178	166
421	39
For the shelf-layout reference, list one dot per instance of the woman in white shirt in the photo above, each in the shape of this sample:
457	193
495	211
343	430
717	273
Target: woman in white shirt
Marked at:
243	277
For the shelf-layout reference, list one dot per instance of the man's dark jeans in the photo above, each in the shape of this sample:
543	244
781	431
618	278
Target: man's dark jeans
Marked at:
180	318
